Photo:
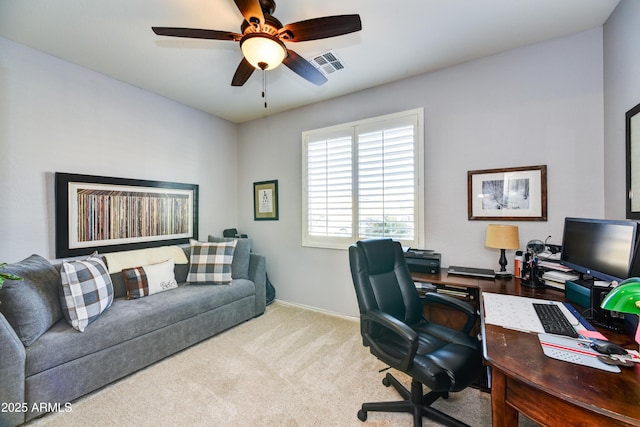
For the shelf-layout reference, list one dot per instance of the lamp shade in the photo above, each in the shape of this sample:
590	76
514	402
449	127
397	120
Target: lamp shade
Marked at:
502	236
624	298
263	51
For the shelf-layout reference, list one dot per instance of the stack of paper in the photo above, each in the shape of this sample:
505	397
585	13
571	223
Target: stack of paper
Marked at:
557	279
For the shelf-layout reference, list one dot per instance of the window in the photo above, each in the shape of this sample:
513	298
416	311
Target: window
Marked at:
364	180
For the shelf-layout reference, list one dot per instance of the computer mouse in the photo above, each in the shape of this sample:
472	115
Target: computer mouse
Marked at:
606	347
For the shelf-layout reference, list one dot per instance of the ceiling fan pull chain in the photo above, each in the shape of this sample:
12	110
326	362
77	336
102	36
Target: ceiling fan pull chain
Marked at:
264	87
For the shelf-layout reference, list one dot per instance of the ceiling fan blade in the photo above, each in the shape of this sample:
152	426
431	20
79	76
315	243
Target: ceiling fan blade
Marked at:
243	72
195	33
321	28
251	10
303	68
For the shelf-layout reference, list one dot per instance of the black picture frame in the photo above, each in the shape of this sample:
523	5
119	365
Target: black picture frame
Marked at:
632	137
265	200
107	214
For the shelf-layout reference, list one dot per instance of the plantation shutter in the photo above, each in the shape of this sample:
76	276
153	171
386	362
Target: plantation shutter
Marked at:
329	186
387	180
363	180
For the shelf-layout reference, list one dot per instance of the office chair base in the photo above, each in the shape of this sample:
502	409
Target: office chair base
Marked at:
414	402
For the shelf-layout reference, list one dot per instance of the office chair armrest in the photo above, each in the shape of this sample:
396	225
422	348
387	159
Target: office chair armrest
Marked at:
462	306
397	327
436	298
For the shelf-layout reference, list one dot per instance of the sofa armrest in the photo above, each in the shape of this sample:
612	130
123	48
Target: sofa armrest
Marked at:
258	275
12	374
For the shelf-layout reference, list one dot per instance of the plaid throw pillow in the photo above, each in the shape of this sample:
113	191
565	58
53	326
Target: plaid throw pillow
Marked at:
211	262
149	279
86	291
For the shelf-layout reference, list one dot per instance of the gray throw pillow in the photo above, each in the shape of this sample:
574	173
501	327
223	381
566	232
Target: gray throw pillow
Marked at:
31	306
241	256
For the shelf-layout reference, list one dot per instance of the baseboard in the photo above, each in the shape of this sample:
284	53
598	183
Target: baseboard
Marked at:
316	309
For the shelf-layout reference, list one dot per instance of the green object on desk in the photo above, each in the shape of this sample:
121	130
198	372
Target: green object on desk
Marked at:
624	298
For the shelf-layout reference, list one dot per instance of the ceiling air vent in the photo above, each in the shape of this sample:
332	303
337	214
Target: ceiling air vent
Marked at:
327	63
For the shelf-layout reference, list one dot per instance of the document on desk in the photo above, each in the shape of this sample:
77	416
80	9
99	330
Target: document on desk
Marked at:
517	313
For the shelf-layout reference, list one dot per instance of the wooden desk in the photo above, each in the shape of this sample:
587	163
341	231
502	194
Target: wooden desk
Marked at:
549	391
475	284
465	288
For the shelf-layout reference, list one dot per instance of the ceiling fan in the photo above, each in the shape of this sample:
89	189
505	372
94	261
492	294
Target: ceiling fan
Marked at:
263	36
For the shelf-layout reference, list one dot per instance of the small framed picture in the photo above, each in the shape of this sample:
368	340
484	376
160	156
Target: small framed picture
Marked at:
511	194
265	201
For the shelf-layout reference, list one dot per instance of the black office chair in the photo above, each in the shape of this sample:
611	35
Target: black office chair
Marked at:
394	328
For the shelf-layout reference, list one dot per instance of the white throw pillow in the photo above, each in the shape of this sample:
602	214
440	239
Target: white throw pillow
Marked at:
149	279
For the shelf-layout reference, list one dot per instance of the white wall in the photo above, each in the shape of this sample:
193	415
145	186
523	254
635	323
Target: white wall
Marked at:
58	117
541	104
621	93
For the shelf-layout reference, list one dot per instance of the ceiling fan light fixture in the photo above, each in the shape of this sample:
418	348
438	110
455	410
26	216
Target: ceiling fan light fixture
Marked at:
262	50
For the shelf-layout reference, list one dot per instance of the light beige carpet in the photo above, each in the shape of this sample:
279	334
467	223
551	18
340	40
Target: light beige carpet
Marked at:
290	367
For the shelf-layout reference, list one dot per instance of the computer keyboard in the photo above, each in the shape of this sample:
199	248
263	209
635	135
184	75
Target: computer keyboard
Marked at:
553	320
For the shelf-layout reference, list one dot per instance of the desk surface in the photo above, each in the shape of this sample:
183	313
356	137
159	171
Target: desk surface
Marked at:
545	388
548	391
509	287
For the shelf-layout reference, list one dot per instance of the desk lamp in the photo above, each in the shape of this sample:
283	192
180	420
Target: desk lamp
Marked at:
625	298
502	237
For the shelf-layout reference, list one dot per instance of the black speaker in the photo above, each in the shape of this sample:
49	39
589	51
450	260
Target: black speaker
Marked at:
230	232
597	296
585	294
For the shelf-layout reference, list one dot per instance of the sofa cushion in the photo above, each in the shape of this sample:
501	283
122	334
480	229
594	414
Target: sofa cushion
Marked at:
130	319
31	306
118	261
149	279
211	262
120	289
86	291
181	271
241	256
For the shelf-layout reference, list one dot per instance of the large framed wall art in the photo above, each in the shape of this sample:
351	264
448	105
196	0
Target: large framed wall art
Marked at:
115	214
510	194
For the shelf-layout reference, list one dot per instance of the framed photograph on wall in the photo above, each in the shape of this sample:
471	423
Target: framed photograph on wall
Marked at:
96	213
632	125
265	201
511	194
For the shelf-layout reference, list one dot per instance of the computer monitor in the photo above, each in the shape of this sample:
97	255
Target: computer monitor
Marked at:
602	249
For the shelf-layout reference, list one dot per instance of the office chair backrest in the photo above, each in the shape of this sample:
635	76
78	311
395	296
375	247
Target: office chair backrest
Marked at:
383	281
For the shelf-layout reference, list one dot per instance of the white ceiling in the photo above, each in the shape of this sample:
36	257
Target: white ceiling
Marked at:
398	39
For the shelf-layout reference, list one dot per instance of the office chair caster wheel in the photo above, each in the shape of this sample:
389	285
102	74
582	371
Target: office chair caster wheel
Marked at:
385	382
362	416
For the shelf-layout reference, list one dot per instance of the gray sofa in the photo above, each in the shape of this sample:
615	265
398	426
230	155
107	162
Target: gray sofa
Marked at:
63	364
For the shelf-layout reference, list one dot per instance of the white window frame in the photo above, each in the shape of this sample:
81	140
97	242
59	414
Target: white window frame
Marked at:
331	242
